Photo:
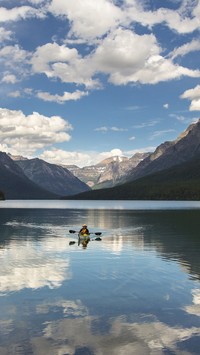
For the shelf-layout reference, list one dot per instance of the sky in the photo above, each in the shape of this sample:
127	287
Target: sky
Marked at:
83	80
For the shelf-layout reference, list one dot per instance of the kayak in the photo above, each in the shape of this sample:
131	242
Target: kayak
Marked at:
84	238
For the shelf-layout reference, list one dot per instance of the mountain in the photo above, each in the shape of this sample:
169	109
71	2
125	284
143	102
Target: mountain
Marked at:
108	172
180	182
171	172
14	183
169	154
52	177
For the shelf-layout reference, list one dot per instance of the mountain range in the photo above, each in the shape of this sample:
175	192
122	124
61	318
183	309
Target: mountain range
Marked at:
109	172
169	154
36	179
172	171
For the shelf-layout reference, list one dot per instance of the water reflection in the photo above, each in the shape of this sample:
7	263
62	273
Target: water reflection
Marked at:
135	292
75	330
25	265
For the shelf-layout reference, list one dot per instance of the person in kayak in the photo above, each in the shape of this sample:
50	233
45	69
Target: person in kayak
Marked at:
84	230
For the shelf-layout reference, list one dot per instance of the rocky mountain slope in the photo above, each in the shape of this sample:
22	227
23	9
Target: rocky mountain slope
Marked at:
108	172
52	177
171	172
180	182
169	154
15	184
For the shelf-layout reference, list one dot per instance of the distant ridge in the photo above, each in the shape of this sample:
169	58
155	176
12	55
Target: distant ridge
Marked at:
109	172
181	182
171	172
15	185
52	177
169	154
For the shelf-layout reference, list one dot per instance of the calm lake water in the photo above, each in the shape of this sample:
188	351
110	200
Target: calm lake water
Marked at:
137	291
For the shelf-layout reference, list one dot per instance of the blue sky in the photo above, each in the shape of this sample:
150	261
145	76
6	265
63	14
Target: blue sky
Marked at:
87	79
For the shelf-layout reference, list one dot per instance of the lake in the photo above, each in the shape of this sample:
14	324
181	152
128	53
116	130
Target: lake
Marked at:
136	291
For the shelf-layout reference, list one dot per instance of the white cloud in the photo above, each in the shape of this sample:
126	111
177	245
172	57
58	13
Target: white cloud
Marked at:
17	13
67	96
9	79
64	63
14	62
191	93
62	157
132	138
116	57
192	46
194	96
114	129
166	106
45	56
195	105
5	35
14	94
87	158
180	20
22	134
89	19
14	54
145	124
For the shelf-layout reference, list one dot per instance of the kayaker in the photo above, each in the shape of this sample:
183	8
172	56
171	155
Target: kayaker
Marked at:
84	230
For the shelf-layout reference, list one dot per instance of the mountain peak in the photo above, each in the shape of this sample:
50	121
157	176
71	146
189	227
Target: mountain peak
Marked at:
109	160
169	154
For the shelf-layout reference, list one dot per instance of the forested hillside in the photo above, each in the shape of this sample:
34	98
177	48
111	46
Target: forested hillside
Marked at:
181	182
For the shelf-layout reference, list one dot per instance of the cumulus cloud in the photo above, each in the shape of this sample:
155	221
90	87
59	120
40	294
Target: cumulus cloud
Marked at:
5	35
67	96
14	54
195	105
17	13
109	25
14	63
184	20
63	157
62	62
115	56
21	133
9	78
88	19
194	96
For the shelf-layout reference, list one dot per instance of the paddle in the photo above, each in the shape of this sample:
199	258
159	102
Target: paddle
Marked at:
96	233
